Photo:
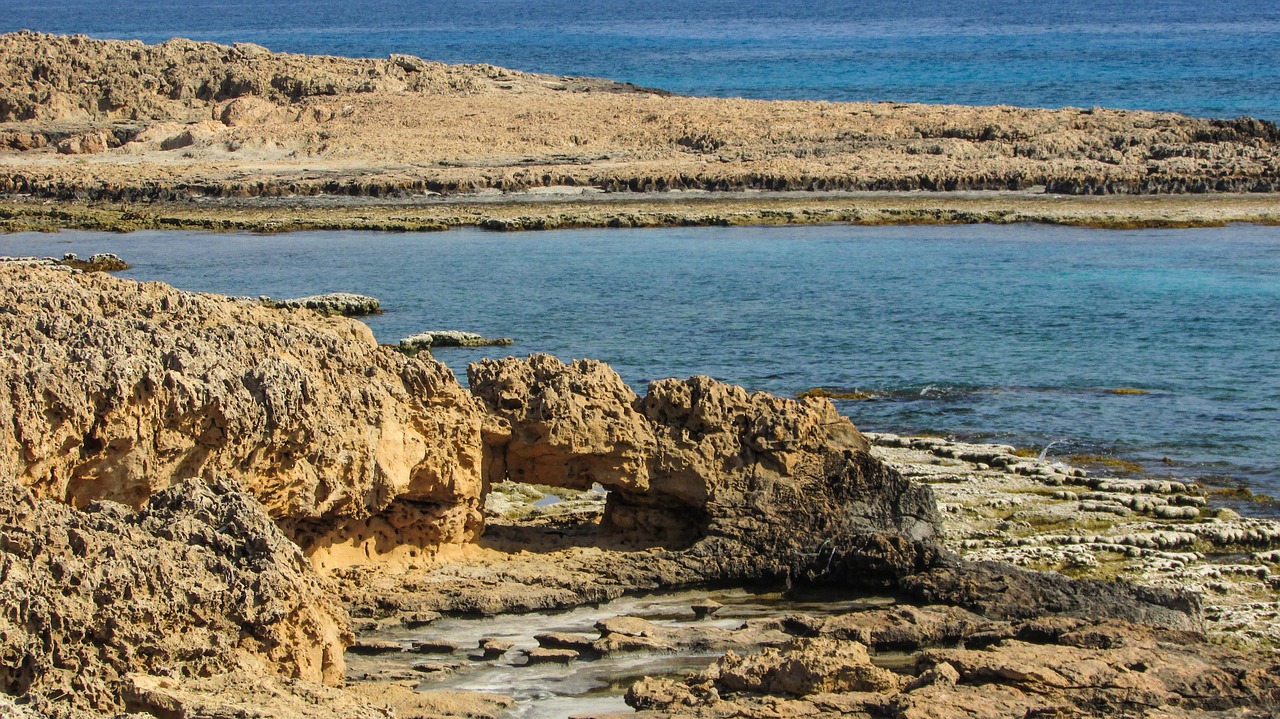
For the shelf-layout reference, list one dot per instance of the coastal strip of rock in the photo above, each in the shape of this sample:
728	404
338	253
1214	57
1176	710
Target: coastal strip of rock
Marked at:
345	304
450	338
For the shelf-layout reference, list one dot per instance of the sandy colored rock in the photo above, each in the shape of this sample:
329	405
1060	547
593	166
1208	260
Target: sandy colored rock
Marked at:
756	484
1055	669
119	389
198	582
808	666
300	125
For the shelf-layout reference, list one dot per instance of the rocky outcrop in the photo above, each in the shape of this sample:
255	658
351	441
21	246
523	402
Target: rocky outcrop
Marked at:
43	78
187	119
96	603
118	389
345	304
450	338
1049	667
99	262
759	486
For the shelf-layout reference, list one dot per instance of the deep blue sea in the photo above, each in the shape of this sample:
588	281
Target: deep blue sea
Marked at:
1008	333
1219	58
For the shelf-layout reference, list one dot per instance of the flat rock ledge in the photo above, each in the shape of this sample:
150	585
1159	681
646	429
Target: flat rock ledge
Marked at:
450	338
98	262
345	304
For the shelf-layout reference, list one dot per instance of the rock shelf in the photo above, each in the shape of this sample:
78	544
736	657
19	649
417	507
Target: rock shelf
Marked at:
1158	532
450	338
161	128
344	304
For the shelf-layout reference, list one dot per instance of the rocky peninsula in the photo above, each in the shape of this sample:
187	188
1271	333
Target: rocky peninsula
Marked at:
121	135
215	508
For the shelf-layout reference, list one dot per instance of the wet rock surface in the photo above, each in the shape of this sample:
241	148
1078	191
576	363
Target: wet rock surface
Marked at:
1048	668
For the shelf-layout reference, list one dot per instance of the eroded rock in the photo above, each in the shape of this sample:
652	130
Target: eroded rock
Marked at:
761	486
345	304
450	338
1058	667
198	582
118	389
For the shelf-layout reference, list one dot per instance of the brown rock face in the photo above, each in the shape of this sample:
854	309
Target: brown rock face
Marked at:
198	582
118	389
44	77
764	486
400	126
571	426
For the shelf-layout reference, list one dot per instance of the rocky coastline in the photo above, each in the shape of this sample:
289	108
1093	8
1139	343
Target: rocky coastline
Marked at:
211	507
225	507
121	135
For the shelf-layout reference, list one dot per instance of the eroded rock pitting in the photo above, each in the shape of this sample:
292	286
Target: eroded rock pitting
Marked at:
162	448
746	486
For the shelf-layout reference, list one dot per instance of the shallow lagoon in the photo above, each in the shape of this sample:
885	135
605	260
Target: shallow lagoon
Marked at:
1004	333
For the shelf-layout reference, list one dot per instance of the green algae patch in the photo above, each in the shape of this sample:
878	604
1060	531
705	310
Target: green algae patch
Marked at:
1113	463
834	394
1127	390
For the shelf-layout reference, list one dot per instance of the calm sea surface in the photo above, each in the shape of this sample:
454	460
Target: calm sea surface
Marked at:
1219	58
1000	333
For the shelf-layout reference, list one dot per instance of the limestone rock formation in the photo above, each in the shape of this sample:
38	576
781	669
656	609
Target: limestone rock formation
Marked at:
43	78
345	304
199	582
118	389
764	487
180	119
449	338
1050	667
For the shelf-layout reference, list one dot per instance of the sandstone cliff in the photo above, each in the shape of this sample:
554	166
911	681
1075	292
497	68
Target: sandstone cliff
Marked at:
117	389
184	119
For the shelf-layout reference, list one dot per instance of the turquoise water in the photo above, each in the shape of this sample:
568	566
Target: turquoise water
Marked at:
1008	334
1220	58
